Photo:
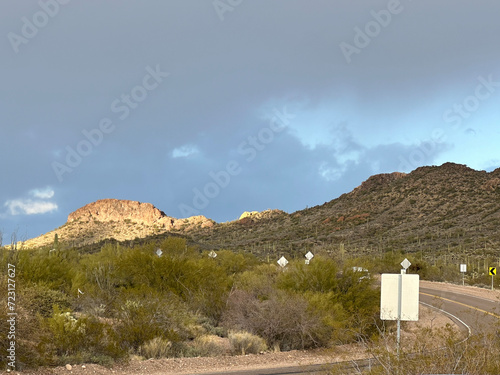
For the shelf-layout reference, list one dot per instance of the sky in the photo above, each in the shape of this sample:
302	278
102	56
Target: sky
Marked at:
215	107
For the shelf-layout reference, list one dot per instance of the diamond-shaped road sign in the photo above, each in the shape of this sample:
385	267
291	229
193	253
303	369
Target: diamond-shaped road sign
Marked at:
282	262
159	252
405	264
309	255
492	271
212	254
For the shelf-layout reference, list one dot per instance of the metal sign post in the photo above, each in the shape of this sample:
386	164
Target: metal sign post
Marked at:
405	264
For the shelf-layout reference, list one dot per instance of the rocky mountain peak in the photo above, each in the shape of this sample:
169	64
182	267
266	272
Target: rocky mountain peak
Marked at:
122	220
106	210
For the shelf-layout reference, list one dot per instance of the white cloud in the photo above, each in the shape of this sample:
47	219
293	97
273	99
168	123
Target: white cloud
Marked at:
46	193
184	151
335	172
29	207
39	203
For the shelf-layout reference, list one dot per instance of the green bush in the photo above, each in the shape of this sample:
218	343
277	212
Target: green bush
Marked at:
318	276
82	338
40	299
144	315
53	269
260	281
235	263
199	281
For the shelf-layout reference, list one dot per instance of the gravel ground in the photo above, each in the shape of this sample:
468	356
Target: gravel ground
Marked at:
183	366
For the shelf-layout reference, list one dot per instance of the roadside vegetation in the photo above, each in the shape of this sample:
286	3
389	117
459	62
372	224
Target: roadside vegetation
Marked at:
121	302
437	351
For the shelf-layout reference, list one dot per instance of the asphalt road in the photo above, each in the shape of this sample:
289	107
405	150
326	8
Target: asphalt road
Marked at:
480	314
469	312
295	370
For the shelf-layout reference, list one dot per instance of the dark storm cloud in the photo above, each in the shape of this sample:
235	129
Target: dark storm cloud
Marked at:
354	117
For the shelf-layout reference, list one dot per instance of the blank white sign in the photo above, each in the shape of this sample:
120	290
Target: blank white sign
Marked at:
390	295
463	268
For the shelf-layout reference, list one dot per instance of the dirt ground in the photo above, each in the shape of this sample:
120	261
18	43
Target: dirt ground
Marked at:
184	366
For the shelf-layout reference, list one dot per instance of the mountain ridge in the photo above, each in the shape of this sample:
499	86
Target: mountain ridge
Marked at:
431	209
447	208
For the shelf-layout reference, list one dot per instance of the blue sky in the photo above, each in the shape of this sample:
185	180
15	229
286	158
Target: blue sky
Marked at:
217	107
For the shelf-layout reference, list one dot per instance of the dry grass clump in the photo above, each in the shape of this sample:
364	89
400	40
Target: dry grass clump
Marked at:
246	343
156	348
211	346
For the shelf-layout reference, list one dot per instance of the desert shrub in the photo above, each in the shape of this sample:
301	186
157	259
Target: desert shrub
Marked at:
176	246
81	338
235	263
321	304
318	276
40	299
54	269
141	321
211	346
335	320
356	293
28	330
388	263
26	354
144	315
283	320
260	281
208	327
156	348
246	343
478	355
361	301
209	288
97	273
345	301
184	349
198	281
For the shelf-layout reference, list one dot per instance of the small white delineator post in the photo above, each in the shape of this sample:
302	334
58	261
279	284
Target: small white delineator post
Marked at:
463	270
